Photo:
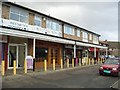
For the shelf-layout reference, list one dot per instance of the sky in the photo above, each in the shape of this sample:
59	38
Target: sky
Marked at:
97	16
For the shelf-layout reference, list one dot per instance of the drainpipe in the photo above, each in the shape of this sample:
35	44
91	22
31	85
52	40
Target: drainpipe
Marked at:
75	62
94	52
75	51
34	48
106	52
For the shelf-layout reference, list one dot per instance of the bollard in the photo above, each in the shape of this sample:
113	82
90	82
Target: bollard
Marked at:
14	67
92	61
98	60
73	62
53	64
101	60
45	65
3	67
83	61
79	61
25	66
61	64
88	61
67	63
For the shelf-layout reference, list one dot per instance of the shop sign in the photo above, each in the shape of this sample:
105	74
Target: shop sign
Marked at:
29	62
44	30
69	46
15	24
24	26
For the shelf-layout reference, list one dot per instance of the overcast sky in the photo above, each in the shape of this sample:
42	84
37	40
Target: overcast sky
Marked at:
99	17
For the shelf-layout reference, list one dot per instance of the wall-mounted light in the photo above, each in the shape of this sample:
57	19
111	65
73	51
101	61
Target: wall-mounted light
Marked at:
44	18
46	51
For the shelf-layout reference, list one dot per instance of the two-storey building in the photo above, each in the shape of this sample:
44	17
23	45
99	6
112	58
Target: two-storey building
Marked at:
26	32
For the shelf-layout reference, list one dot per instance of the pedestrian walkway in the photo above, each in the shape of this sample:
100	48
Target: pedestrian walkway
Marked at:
41	70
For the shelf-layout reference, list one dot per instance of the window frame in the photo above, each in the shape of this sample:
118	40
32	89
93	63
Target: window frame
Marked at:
90	36
85	37
19	14
50	25
40	18
78	35
95	39
71	30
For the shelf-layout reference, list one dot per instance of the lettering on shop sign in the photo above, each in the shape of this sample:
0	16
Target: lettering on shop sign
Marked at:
24	26
15	24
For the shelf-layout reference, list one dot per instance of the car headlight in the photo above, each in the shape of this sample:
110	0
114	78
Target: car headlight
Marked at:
114	68
101	67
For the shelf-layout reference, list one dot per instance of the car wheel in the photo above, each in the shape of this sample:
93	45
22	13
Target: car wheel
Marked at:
117	75
100	74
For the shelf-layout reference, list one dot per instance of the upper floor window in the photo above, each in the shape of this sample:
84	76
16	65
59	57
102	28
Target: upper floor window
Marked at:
85	36
90	36
53	25
95	39
78	33
18	15
37	21
69	30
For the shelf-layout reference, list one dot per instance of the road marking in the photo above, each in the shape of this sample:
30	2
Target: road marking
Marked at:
112	86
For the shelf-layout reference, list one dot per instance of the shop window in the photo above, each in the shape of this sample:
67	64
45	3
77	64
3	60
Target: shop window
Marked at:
69	30
18	14
41	53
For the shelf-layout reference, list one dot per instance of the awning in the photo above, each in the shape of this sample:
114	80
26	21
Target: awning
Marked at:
92	49
27	34
90	45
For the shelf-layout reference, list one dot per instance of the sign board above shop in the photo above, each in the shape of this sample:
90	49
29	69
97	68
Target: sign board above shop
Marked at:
14	24
23	26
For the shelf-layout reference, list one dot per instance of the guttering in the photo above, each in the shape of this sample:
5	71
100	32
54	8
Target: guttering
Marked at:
90	45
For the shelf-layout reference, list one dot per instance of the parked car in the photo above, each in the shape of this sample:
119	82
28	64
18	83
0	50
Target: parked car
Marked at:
110	67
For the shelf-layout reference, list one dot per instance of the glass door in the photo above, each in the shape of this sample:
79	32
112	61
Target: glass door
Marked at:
13	55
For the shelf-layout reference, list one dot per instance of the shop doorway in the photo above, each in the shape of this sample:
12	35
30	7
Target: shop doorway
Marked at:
54	55
16	52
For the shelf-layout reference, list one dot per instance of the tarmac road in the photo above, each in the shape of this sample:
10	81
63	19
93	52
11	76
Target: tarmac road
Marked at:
82	77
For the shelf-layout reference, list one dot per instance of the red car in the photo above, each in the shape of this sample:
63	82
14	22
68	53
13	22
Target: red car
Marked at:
110	67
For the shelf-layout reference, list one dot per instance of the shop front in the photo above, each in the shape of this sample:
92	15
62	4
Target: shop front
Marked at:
13	48
73	53
47	51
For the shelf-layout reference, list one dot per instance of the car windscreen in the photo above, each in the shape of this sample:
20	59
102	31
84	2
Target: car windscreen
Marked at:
111	61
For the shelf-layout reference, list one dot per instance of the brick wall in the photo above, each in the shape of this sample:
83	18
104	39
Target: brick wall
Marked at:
5	11
31	18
